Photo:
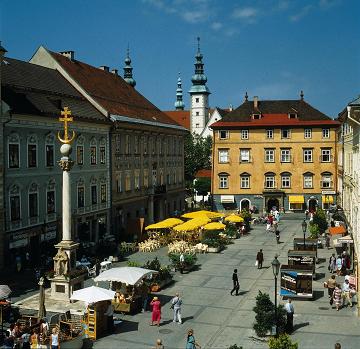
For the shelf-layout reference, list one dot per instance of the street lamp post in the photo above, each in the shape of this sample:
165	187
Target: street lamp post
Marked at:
304	226
276	268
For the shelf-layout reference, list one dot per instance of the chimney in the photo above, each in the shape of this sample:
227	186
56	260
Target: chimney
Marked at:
104	67
256	101
68	54
114	71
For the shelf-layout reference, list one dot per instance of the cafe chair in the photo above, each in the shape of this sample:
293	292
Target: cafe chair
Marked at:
91	271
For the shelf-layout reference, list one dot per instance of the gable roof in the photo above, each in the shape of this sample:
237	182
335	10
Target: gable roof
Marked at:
181	117
32	89
203	173
274	112
111	91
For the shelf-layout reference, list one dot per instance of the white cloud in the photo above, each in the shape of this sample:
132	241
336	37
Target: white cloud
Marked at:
216	26
302	13
245	13
193	16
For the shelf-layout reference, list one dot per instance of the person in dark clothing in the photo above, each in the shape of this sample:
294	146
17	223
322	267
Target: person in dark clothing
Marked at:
236	285
97	267
277	234
260	259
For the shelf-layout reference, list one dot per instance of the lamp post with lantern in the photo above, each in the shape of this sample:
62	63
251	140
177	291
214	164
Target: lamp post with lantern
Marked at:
304	226
276	268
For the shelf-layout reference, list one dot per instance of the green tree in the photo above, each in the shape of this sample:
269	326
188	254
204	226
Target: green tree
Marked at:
202	186
320	219
197	154
282	342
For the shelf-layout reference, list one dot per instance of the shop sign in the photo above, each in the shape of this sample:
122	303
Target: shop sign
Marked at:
18	243
302	260
328	192
353	282
296	284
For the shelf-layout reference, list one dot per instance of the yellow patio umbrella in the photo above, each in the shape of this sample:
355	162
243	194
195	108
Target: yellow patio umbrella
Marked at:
234	219
215	226
202	213
192	224
167	223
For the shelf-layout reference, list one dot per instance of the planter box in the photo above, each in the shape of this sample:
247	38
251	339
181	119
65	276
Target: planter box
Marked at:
158	286
215	249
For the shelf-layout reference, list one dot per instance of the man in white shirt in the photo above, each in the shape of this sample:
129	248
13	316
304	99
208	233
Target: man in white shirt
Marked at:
176	303
346	292
182	263
289	316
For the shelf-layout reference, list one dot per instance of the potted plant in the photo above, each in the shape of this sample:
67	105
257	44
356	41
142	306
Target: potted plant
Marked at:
189	263
213	240
231	231
162	278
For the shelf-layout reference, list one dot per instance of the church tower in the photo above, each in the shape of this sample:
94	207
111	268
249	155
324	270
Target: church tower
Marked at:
199	94
179	104
128	77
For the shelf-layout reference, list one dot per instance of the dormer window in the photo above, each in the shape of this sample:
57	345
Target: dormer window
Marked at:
292	116
256	116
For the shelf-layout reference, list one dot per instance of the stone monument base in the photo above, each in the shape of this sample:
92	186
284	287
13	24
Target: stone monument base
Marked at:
62	286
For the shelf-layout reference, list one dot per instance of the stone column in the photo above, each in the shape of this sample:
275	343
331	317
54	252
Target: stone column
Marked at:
66	194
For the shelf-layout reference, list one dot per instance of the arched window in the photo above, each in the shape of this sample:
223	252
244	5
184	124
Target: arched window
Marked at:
80	150
270	180
33	196
285	180
50	197
80	193
93	151
223	180
15	203
326	180
308	180
102	150
245	180
93	191
14	150
32	151
49	149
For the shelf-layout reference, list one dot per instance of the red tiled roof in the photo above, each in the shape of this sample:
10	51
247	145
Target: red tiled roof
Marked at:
182	117
111	91
203	173
271	120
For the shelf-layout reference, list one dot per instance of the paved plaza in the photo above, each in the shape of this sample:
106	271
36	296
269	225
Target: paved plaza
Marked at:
219	319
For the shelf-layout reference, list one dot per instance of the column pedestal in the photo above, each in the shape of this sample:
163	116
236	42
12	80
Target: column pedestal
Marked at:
62	286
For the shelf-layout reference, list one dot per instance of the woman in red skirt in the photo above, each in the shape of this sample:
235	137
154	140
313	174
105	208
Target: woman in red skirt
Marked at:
156	311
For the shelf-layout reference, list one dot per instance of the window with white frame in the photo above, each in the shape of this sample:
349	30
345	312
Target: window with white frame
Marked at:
244	134
285	155
102	151
161	177
33	201
269	181
94	196
14	151
307	133
32	151
285	180
325	155
270	133
118	182
137	179
223	156
308	155
244	155
223	134
93	152
49	150
127	145
50	201
15	206
244	181
127	181
269	155
325	133
146	178
285	133
223	181
102	193
308	180
154	177
80	150
326	180
80	196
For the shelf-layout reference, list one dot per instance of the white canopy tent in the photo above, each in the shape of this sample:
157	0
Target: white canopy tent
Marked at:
92	294
127	275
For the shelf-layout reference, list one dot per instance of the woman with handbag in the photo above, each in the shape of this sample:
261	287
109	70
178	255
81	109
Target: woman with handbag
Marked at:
191	343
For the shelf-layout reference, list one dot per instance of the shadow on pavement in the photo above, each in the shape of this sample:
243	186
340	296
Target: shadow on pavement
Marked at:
298	326
241	293
318	295
127	326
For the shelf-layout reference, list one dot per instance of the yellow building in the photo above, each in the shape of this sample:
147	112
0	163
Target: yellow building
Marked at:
274	153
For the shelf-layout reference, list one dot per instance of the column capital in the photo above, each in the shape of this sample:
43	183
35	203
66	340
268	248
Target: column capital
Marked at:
66	164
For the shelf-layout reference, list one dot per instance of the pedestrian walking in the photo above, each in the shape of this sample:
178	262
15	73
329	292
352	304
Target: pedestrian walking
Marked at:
182	263
236	285
269	222
259	259
176	303
331	283
34	340
156	311
337	297
332	263
190	342
289	316
54	339
159	344
346	293
339	265
277	234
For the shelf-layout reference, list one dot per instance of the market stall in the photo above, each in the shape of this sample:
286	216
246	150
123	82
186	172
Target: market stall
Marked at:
126	282
203	213
190	230
310	244
296	281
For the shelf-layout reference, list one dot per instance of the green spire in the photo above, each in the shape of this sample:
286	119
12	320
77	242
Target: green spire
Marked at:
199	79
128	76
179	104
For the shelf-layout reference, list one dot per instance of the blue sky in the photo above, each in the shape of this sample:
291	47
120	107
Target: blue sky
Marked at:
270	48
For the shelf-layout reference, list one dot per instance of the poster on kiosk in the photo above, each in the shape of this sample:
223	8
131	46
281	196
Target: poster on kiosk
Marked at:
296	281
